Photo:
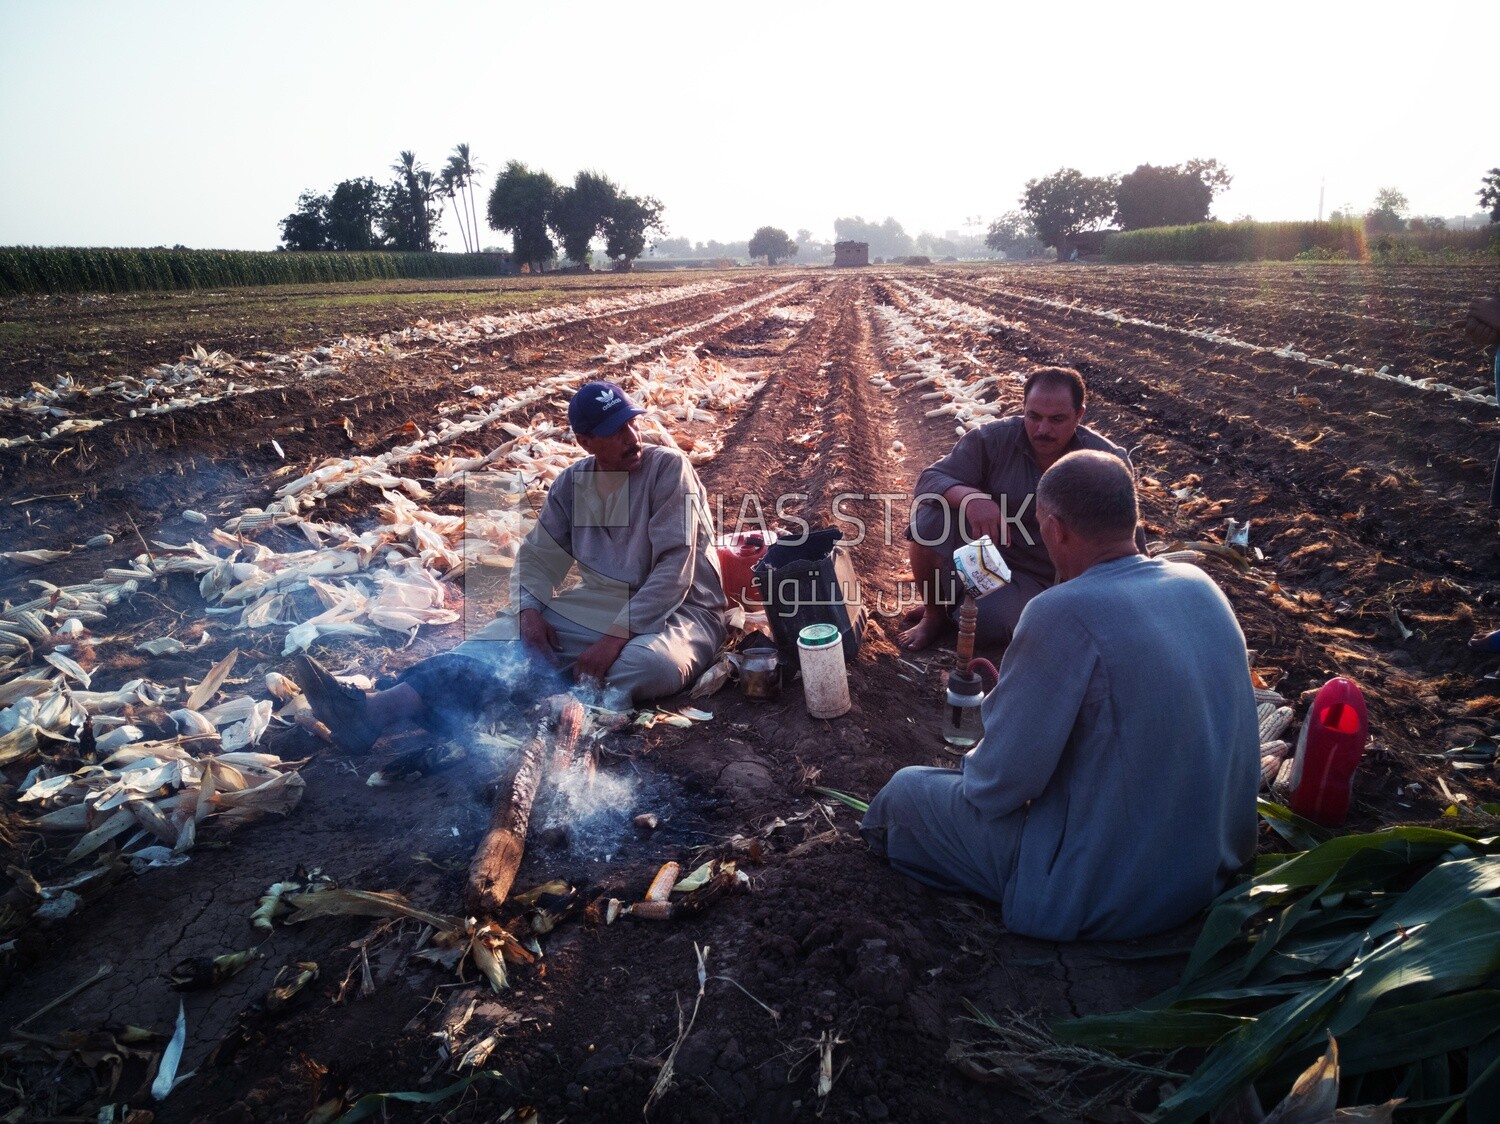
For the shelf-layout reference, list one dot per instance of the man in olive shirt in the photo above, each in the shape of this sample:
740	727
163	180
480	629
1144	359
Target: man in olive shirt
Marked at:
987	486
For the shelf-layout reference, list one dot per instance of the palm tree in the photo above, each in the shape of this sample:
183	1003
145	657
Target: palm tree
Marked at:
427	190
453	183
468	170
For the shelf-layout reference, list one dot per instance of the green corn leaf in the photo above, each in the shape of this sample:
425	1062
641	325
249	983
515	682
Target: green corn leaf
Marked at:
1238	998
1132	1031
1225	924
1445	887
371	1103
1396	1039
1297	959
1301	833
1237	1059
1345	861
1397	1036
1283	924
842	797
1458	950
1483	1094
1403	845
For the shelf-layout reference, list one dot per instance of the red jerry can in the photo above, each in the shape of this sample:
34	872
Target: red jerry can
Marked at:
738	553
1332	742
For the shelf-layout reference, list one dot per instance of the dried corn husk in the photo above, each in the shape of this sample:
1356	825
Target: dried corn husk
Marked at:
198	972
364	903
212	681
279	996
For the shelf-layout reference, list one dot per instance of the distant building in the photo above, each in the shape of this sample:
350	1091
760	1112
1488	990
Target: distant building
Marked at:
851	253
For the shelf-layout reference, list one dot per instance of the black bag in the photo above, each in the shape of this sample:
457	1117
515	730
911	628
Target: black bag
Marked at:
810	580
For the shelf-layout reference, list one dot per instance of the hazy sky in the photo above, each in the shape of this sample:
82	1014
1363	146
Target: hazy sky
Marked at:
148	122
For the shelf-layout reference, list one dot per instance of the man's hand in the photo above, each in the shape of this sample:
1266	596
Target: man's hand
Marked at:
983	517
1479	332
539	637
595	661
1483	323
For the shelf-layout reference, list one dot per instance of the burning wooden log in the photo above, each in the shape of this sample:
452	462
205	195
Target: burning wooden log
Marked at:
493	870
571	778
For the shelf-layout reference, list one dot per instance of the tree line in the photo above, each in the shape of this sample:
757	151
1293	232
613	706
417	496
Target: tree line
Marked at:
533	209
403	215
887	240
530	206
1055	208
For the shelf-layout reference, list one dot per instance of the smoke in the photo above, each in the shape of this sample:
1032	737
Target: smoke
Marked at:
594	810
583	809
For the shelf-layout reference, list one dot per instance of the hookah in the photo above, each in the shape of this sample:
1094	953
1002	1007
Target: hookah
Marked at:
982	571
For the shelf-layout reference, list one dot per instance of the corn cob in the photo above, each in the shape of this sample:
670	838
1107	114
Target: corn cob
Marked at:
661	885
1273	720
654	911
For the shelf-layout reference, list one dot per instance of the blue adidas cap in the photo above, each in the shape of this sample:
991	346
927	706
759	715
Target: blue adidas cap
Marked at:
599	409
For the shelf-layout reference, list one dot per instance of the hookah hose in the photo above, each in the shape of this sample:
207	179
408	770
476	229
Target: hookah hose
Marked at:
985	670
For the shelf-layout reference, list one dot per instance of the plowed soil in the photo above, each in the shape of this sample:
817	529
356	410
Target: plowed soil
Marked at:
1368	501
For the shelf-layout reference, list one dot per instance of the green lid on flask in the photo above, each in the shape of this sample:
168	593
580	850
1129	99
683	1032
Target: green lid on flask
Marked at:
818	635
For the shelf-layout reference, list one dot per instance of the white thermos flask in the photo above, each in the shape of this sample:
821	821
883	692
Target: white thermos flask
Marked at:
825	685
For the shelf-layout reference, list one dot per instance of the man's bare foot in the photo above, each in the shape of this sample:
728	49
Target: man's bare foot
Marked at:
912	616
926	632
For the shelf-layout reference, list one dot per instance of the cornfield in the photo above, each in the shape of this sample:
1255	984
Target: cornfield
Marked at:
28	270
1237	241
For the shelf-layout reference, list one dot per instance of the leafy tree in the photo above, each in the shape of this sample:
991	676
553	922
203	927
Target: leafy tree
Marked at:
674	247
772	243
579	213
413	206
342	220
519	204
936	245
897	242
352	212
1214	175
1388	213
713	249
1013	235
631	219
403	218
1489	193
803	235
1066	202
306	228
1152	196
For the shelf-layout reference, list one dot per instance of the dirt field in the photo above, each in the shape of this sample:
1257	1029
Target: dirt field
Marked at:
1271	394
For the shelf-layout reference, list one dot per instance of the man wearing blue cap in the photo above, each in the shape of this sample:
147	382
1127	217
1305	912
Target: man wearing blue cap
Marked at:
645	618
648	612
